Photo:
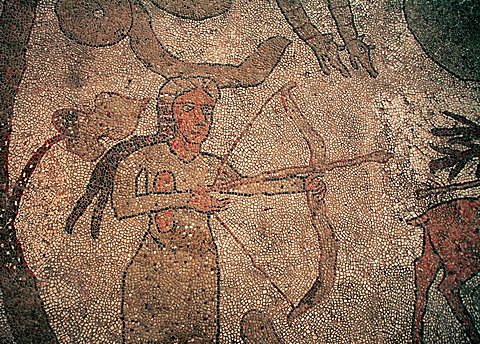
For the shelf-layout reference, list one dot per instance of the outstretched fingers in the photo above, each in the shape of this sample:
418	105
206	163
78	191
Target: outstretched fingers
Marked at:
360	55
323	61
327	53
337	64
334	59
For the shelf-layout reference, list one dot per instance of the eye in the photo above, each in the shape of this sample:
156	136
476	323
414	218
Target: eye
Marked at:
207	110
187	107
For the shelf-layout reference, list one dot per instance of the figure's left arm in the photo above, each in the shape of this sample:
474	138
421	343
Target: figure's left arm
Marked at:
359	51
271	186
276	184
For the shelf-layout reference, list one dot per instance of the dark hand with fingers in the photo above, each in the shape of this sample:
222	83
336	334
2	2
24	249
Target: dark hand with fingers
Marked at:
327	53
360	52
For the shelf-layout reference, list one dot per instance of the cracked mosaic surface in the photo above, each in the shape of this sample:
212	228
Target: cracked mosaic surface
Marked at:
237	171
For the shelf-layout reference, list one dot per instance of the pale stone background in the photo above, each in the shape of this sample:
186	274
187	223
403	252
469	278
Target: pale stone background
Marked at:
374	292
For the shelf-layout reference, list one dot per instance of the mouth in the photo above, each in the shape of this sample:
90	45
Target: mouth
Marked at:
197	132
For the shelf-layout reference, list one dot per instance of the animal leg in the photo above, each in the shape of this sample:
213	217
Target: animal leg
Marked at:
450	289
426	268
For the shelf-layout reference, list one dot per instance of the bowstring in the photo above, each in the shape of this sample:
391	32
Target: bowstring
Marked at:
217	217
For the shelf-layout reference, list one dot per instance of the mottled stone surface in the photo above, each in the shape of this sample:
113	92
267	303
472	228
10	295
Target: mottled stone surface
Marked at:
219	171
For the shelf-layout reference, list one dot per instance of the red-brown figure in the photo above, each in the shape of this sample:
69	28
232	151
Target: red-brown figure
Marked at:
452	243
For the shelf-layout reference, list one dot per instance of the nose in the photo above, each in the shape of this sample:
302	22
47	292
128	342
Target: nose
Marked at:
198	117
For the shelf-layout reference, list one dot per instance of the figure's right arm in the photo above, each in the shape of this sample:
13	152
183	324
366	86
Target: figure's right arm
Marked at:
128	202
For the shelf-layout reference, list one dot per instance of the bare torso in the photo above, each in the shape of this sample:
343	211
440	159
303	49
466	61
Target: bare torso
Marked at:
171	286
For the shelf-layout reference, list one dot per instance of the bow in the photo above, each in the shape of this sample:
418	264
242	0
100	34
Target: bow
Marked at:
327	260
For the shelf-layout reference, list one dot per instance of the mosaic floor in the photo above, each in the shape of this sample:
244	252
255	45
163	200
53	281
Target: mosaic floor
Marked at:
239	171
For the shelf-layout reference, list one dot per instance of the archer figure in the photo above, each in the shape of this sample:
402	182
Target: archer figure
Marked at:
171	287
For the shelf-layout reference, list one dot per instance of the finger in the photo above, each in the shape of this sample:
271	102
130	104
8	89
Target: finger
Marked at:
337	64
373	73
353	62
322	60
222	199
221	202
342	69
223	205
314	179
218	208
367	64
316	186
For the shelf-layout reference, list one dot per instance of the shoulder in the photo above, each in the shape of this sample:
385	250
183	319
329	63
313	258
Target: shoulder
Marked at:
144	157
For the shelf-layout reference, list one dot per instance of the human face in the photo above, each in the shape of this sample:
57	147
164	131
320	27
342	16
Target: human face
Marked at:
193	113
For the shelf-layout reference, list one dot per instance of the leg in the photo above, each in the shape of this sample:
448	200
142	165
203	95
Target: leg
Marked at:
426	268
450	289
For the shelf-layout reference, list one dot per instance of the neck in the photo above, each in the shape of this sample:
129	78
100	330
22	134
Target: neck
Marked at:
184	150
